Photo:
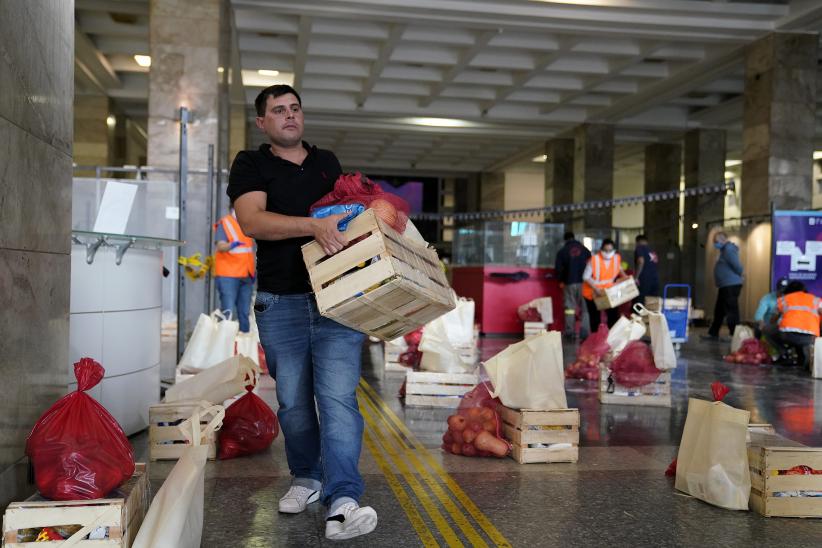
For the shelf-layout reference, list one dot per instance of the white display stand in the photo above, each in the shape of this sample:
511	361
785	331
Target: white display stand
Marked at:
115	318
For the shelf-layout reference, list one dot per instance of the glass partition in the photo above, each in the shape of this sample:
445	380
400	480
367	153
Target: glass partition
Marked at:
507	243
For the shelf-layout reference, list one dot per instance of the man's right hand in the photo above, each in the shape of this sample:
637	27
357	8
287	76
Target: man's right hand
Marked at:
326	233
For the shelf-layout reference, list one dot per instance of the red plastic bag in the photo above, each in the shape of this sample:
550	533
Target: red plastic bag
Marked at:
719	390
476	429
589	356
77	448
356	188
529	314
634	366
249	427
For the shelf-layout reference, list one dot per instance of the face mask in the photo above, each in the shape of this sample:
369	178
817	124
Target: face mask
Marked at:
718	245
608	254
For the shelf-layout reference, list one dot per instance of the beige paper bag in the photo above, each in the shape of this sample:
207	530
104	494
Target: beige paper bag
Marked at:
741	333
624	331
529	374
216	384
175	517
712	464
211	342
661	343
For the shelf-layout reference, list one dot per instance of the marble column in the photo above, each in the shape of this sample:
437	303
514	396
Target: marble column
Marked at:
36	93
559	177
185	40
92	134
704	165
663	171
779	122
594	174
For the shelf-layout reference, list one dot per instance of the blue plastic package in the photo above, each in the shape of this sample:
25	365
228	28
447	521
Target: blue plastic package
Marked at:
352	211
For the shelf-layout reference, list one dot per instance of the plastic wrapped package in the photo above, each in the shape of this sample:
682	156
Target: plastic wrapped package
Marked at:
77	449
357	188
476	429
349	210
249	427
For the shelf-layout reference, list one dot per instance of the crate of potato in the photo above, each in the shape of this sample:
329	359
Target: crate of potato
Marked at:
786	477
541	436
383	284
655	394
165	440
429	389
110	522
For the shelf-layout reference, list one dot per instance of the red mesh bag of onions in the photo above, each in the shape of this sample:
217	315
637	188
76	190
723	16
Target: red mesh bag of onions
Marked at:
356	188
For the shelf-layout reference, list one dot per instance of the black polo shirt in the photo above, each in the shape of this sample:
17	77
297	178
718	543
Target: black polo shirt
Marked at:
290	190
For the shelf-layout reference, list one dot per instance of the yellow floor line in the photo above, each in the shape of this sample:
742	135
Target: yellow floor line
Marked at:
419	525
493	533
428	505
473	537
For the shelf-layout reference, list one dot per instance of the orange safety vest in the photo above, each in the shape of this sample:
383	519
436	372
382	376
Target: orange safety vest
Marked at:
603	271
240	261
799	313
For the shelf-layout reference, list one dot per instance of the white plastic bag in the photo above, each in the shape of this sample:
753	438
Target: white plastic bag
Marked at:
712	464
543	305
661	343
216	384
624	331
443	338
529	374
816	366
175	517
211	342
246	345
741	333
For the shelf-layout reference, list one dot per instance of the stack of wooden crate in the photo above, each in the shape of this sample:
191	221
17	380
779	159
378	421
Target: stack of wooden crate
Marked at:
541	436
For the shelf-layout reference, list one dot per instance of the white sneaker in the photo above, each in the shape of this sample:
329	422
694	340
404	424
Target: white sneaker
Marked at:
350	521
297	499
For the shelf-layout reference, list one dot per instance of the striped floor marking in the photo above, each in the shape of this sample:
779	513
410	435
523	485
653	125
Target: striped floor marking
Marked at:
379	414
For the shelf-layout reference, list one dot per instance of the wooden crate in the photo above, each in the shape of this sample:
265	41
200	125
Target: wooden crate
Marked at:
526	427
655	394
165	441
617	294
427	389
533	328
121	513
401	287
768	454
391	356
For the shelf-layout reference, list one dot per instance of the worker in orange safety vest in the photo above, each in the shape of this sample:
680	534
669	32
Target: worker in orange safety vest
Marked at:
234	269
799	316
603	270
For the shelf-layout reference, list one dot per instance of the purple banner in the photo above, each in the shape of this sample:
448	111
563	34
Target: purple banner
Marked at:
411	192
797	237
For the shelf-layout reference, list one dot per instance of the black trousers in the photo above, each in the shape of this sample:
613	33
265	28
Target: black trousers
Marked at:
727	305
594	315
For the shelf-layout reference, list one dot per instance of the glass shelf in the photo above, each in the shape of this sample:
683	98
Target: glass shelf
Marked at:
120	242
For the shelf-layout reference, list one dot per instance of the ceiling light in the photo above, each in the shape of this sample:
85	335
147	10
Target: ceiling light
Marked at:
143	60
266	72
730	175
540	158
111	121
220	70
695	226
817	154
254	78
438	122
733	163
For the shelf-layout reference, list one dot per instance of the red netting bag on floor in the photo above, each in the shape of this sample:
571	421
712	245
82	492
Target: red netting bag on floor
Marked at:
589	356
249	427
77	448
634	366
751	352
476	429
353	188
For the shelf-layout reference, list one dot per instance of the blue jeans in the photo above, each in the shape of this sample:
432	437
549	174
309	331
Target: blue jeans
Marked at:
235	296
315	358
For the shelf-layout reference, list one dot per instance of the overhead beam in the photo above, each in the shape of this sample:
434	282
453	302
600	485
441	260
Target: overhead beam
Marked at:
303	38
386	50
93	65
134	8
464	60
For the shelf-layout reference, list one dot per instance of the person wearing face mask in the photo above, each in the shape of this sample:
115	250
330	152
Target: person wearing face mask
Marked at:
602	271
728	276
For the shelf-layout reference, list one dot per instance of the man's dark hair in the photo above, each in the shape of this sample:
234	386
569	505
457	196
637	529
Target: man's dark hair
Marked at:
568	236
794	286
641	238
607	241
275	91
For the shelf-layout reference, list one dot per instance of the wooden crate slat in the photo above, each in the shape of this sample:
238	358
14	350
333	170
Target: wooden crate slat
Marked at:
530	417
655	394
339	264
432	401
649	401
360	225
352	284
81	544
525	437
442	378
782	459
524	427
774	484
757	482
793	507
436	389
534	455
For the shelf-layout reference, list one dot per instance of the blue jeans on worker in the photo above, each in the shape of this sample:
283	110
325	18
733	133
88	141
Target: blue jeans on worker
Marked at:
235	297
313	358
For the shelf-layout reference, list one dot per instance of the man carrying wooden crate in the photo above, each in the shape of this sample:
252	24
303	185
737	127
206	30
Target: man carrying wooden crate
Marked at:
310	356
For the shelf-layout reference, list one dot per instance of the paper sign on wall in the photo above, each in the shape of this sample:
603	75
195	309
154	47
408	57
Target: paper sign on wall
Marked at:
115	208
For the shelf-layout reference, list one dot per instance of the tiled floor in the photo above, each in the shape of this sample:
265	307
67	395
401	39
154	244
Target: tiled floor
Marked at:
616	495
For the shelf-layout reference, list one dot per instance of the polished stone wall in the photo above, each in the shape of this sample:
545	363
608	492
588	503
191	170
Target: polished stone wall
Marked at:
92	136
594	173
36	94
663	169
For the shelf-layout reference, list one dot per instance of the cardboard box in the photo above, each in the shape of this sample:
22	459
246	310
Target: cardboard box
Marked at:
617	294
